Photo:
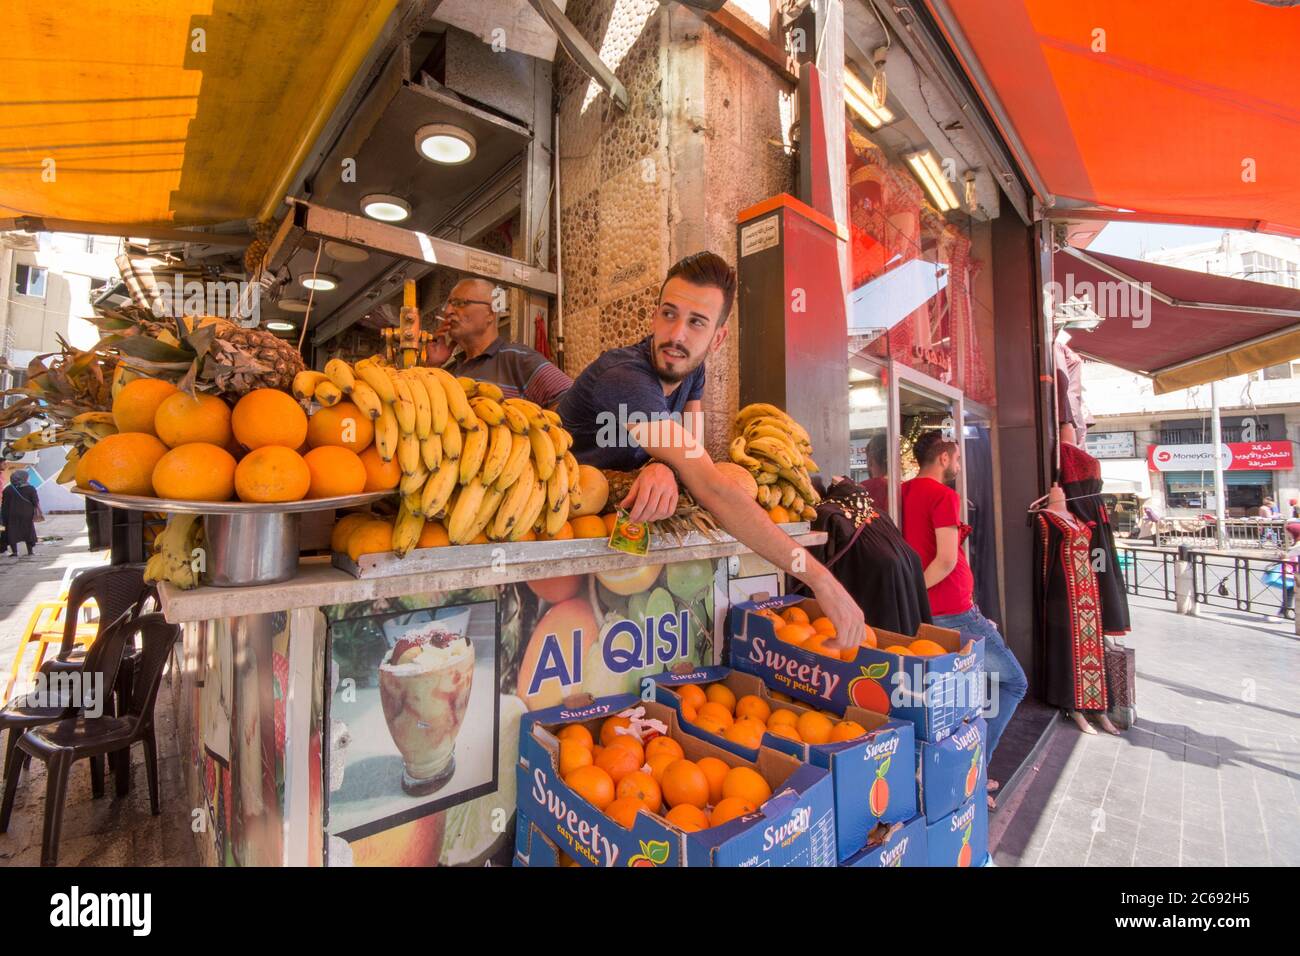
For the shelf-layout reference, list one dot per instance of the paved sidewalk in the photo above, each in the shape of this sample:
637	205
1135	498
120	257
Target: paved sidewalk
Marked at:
27	580
108	831
1208	776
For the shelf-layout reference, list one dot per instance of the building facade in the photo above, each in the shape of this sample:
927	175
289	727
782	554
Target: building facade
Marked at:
49	281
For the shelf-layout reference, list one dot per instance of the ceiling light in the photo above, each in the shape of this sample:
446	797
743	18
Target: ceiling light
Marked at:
864	102
385	208
319	281
293	305
280	326
936	184
445	143
341	253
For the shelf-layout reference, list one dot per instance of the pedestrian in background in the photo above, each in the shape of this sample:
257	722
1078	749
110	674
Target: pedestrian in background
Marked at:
20	509
932	526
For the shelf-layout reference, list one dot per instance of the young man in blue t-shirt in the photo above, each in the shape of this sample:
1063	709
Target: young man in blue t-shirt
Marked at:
639	408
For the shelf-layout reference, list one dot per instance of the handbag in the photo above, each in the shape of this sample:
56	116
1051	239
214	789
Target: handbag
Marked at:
1121	677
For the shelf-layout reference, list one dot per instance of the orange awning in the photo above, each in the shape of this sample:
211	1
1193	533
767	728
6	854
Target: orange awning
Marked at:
176	112
1158	110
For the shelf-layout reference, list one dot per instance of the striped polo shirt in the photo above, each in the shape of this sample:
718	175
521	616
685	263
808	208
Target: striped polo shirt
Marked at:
516	369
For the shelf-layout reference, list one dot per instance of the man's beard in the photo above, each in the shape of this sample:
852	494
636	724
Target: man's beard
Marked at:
675	375
949	476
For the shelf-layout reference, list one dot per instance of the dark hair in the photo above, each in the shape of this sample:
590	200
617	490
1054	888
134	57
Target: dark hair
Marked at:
878	449
706	269
930	446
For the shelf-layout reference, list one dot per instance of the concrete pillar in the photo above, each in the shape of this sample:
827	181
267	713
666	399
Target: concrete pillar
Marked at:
1184	583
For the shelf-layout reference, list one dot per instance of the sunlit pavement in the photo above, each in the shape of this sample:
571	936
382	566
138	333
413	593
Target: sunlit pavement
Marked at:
108	831
1208	776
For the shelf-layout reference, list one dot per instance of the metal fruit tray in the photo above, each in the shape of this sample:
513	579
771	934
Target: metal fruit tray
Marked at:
246	544
172	506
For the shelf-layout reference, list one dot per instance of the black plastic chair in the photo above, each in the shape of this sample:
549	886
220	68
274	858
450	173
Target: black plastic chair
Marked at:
114	590
77	738
60	701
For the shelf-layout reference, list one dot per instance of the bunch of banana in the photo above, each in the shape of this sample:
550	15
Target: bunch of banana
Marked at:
514	472
174	559
485	464
776	450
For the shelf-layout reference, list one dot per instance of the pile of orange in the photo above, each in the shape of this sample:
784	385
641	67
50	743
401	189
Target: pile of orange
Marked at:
793	627
621	776
744	720
174	445
921	647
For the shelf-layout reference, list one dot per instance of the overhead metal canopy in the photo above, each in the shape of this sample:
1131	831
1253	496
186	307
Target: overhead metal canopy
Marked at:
169	112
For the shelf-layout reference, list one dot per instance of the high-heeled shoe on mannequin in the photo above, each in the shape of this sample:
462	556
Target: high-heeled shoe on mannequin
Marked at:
1081	722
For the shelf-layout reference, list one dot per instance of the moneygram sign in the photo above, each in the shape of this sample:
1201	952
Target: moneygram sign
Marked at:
1236	456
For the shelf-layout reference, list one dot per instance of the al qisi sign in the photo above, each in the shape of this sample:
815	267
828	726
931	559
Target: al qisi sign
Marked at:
1236	456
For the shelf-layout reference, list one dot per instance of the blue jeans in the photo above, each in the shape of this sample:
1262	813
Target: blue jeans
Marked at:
998	661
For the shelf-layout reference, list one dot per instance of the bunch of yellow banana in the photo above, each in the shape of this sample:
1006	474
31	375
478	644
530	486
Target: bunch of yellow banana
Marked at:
776	450
174	559
515	471
483	463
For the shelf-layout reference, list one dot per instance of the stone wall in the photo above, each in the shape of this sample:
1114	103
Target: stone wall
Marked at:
704	137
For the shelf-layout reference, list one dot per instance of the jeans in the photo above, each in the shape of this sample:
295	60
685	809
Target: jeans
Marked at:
1012	684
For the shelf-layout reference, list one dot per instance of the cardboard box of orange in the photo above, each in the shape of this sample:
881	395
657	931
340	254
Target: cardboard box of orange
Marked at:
794	827
532	846
934	693
960	838
872	776
894	844
952	771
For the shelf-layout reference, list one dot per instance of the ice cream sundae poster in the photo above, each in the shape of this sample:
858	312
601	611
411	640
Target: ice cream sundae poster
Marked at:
413	715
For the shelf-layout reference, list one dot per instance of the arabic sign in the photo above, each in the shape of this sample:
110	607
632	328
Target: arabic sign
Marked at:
1112	444
1236	456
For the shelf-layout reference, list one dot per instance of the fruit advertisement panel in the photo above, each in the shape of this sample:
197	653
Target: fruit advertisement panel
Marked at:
417	700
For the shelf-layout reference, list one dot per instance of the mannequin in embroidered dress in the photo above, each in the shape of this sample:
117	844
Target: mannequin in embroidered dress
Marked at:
1068	618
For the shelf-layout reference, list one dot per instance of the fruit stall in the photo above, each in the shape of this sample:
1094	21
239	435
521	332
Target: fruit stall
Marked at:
363	560
416	631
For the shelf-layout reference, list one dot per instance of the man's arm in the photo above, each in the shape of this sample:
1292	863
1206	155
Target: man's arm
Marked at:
946	543
654	493
750	525
546	385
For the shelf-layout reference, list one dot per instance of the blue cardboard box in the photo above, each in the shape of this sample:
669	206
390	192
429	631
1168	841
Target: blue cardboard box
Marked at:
871	776
532	847
934	693
952	771
795	827
960	838
894	844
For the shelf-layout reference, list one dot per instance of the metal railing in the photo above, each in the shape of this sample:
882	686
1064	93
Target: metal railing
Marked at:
1254	584
1248	533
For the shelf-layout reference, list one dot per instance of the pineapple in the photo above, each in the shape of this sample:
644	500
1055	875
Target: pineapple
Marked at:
259	247
208	354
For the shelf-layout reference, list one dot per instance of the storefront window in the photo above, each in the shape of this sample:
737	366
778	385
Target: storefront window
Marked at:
1245	492
913	275
869	430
